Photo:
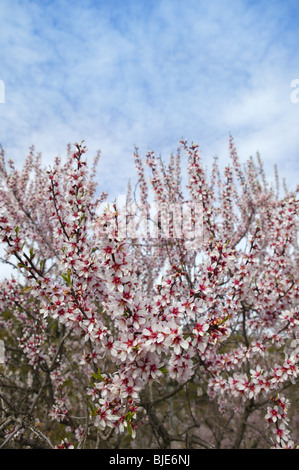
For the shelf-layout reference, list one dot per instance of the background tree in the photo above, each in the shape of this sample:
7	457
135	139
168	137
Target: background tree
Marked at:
170	321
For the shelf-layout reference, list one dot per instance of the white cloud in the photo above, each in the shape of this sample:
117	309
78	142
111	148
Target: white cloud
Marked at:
149	73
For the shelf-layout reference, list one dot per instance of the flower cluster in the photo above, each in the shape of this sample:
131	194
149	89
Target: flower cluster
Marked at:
277	417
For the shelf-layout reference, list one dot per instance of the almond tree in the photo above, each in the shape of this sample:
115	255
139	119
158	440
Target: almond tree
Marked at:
167	321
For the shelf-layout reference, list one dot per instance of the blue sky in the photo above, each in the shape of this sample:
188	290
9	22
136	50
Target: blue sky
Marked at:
120	73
